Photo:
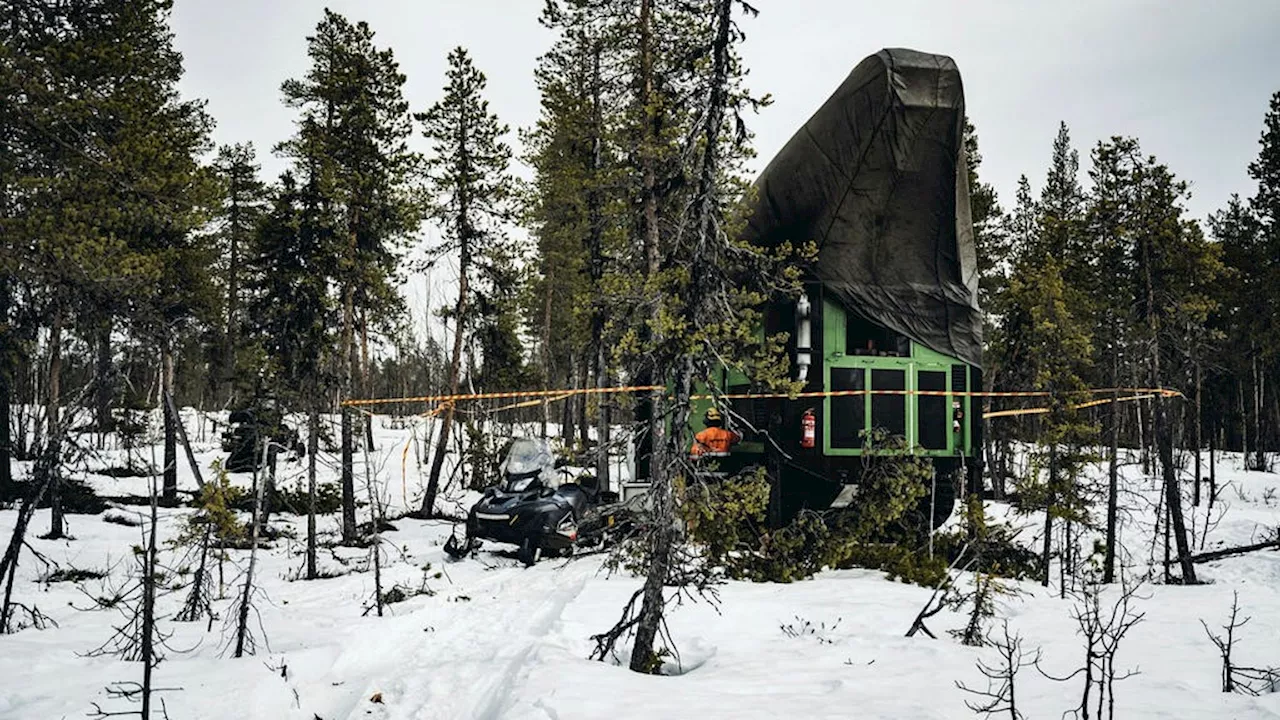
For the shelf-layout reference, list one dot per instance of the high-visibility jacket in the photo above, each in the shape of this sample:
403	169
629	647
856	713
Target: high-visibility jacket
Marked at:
713	440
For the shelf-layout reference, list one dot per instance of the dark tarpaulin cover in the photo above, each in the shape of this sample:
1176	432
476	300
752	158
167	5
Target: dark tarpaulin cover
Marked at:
877	179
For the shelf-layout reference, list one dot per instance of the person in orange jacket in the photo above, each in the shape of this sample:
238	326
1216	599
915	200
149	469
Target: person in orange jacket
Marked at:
715	440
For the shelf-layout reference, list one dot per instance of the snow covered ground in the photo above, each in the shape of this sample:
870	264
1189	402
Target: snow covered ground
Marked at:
496	640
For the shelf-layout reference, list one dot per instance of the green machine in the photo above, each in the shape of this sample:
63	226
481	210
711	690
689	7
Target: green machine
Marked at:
887	333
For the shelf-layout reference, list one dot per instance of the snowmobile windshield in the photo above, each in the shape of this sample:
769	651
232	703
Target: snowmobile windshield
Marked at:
527	460
520	483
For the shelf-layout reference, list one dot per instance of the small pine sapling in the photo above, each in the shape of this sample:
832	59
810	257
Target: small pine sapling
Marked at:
204	537
987	583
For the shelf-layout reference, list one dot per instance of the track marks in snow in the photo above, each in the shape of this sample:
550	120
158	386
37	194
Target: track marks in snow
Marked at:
479	655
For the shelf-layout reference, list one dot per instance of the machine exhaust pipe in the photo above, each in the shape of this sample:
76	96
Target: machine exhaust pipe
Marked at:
803	338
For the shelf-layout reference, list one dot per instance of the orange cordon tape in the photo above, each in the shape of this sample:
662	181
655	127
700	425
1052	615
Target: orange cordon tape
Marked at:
556	395
500	395
1074	406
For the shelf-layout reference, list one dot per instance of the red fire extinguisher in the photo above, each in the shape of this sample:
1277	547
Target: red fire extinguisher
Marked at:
809	429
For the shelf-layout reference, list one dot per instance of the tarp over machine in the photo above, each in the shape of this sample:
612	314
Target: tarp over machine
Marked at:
877	178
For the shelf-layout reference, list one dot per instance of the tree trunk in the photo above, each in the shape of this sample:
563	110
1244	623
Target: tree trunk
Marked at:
102	392
662	535
1163	430
569	407
313	446
269	483
53	387
1050	500
348	360
1166	541
1199	428
1260	460
171	420
455	371
1113	482
1144	428
669	449
375	525
549	281
988	440
1173	493
584	427
602	420
186	443
42	476
596	214
246	597
7	362
366	377
1244	423
149	609
647	410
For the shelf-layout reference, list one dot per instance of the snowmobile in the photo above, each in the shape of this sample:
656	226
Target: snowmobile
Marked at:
528	508
247	426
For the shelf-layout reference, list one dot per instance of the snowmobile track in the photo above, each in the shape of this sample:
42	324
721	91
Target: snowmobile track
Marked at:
477	658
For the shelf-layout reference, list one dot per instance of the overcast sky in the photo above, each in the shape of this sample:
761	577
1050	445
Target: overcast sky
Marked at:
1189	78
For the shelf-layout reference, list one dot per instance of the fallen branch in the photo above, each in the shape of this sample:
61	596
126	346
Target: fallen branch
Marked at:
1228	552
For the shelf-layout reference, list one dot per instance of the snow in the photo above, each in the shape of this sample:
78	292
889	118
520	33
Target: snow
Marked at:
497	640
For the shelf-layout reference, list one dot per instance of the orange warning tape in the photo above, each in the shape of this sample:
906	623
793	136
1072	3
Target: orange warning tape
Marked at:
404	455
561	394
1074	406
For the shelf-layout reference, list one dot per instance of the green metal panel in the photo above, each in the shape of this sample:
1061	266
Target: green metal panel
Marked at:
920	359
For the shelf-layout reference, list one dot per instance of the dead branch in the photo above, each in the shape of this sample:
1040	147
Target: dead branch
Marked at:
1228	552
1000	697
1237	679
943	595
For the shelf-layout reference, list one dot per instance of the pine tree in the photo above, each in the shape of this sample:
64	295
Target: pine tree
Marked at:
1044	341
112	188
472	190
989	231
352	140
1246	308
1109	230
1265	170
1175	266
581	219
1052	349
708	299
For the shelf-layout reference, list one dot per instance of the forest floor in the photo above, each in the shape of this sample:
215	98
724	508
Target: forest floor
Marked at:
492	639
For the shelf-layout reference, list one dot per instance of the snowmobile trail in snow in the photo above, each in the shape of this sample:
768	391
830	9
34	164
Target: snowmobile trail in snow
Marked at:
476	658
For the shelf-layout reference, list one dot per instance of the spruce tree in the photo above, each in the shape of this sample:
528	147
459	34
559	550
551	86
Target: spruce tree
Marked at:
289	309
352	143
471	189
238	213
1175	267
1265	170
991	241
